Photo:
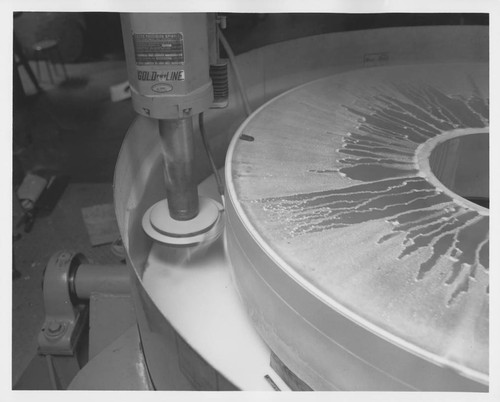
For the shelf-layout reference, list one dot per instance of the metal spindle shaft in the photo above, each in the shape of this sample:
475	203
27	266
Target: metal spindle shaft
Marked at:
178	153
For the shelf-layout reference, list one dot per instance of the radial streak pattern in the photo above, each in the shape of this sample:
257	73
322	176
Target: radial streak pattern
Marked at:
332	183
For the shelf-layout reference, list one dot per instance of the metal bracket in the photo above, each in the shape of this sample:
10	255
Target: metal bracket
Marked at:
65	316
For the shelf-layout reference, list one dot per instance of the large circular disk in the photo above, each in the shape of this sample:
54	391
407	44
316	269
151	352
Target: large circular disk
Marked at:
334	184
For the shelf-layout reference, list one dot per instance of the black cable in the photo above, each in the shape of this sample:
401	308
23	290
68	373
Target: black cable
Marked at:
220	185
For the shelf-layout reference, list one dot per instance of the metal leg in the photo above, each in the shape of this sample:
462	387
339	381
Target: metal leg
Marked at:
38	71
62	63
54	60
18	50
47	64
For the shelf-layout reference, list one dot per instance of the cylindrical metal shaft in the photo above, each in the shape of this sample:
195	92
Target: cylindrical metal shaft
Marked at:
178	153
114	279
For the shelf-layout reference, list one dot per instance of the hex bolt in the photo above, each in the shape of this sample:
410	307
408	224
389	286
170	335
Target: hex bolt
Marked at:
55	329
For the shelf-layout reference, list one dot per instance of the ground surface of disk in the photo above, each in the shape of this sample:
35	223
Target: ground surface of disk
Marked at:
327	180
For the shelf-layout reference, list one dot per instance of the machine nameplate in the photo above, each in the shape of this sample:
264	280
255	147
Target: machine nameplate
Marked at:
158	48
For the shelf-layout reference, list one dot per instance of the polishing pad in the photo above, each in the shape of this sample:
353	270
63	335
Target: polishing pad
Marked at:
205	227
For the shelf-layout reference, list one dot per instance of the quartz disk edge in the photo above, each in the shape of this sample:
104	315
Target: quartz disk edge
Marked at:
349	255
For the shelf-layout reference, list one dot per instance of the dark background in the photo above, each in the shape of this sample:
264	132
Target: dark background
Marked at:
93	36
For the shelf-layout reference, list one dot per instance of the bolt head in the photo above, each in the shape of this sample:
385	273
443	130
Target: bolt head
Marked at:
54	329
54	326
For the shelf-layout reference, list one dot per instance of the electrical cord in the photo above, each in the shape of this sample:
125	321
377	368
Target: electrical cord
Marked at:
246	104
239	81
220	185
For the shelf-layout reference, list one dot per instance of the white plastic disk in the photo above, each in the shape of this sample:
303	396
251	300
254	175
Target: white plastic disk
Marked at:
205	227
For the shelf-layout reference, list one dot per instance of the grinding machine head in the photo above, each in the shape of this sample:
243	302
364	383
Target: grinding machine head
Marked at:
168	61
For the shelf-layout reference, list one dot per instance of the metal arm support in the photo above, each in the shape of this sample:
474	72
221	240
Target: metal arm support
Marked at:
67	285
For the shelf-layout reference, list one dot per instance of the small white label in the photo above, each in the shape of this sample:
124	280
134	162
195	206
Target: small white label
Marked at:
162	88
